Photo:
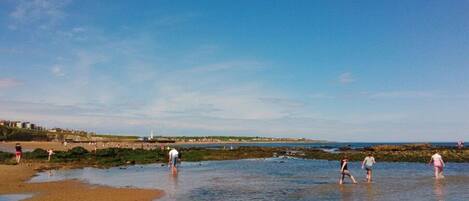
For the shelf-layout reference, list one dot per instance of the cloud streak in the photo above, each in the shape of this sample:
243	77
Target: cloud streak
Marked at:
346	78
403	94
57	70
43	13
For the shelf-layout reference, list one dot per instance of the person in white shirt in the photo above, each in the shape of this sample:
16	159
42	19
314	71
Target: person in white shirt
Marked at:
367	164
438	165
173	160
49	153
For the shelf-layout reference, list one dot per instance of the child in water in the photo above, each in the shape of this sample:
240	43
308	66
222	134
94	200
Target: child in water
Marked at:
367	164
345	172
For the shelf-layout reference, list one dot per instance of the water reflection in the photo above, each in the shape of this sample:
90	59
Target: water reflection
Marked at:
439	189
346	193
171	191
370	191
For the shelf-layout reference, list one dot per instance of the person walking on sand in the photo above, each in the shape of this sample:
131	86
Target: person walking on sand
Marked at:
367	164
438	165
173	160
345	172
49	153
19	152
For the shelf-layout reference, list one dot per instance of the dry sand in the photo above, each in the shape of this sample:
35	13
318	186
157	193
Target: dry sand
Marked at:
14	177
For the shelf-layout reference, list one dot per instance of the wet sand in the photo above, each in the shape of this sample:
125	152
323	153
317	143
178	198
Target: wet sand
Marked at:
14	181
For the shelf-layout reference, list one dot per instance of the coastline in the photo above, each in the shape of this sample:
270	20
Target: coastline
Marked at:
15	181
248	142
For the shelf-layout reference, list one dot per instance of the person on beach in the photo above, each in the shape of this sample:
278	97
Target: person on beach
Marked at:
173	160
49	153
345	172
438	165
19	152
367	164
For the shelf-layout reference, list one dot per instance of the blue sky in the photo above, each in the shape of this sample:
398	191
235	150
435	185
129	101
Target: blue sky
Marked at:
331	70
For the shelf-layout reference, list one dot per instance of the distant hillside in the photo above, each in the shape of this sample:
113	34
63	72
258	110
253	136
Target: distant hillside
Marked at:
21	134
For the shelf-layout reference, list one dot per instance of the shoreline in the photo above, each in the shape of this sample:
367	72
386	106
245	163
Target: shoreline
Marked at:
15	181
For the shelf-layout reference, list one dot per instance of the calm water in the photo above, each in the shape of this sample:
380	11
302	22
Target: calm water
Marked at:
15	197
326	146
280	179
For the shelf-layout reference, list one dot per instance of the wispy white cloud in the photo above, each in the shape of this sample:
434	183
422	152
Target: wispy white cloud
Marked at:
45	13
227	65
346	78
320	96
402	94
57	70
77	33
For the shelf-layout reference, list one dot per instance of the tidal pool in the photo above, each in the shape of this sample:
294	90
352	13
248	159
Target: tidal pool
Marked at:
15	197
279	179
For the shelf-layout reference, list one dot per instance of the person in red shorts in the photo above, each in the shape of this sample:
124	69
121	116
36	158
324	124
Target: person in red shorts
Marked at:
19	152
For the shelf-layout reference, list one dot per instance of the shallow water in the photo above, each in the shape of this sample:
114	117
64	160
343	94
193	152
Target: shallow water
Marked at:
15	197
280	179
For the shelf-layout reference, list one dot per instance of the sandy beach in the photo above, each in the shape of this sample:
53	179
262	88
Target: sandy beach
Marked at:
14	179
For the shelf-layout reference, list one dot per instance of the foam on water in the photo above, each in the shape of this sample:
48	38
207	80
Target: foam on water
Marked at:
279	179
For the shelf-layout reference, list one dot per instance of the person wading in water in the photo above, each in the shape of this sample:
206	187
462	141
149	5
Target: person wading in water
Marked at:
344	171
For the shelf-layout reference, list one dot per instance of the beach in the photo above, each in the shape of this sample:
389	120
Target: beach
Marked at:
275	172
15	177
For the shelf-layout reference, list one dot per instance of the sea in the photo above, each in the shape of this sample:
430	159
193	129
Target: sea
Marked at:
326	146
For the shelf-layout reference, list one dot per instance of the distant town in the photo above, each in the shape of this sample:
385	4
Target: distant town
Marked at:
33	126
34	131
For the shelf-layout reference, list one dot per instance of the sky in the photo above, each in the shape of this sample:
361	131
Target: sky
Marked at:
321	69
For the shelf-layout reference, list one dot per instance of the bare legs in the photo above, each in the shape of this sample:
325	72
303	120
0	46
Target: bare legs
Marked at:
174	170
368	175
439	172
18	158
173	167
342	177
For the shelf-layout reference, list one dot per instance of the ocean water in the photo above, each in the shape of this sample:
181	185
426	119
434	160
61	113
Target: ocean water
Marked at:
280	179
326	146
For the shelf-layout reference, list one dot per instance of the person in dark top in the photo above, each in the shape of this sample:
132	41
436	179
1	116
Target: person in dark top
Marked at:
19	152
344	171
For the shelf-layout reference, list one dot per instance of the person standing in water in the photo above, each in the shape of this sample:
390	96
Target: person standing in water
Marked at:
19	152
367	164
173	160
438	165
344	171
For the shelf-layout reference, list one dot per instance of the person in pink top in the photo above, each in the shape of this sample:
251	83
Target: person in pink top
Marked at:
438	164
